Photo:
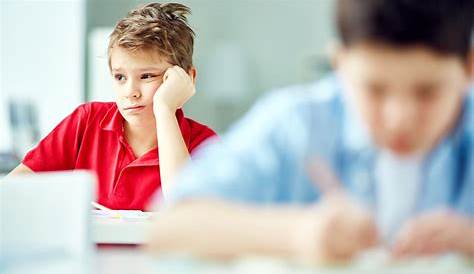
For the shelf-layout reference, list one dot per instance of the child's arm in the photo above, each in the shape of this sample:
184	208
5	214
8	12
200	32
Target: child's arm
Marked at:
436	232
20	169
176	89
333	230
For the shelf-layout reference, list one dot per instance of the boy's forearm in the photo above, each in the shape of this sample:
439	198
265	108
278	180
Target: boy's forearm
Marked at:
172	150
466	245
20	169
221	230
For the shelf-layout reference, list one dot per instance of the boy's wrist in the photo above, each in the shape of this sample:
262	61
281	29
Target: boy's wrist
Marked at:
163	109
465	243
304	237
285	234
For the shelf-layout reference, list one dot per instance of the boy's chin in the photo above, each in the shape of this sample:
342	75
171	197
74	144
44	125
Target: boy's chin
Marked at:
139	121
405	151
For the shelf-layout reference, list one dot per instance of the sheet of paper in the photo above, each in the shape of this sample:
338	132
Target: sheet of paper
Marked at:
127	215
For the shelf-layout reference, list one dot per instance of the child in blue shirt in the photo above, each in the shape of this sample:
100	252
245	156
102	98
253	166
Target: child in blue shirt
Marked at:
394	124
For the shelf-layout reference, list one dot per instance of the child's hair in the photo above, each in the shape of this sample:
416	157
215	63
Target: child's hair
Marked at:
445	26
155	26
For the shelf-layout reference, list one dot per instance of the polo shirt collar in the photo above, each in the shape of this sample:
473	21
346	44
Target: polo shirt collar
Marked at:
114	121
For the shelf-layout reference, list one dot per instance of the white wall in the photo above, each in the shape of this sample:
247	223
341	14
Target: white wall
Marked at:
5	140
41	53
100	79
243	48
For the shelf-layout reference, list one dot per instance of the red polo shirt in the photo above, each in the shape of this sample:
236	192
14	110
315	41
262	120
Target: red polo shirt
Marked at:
92	138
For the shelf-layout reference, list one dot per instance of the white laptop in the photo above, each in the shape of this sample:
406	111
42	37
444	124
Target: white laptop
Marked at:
45	222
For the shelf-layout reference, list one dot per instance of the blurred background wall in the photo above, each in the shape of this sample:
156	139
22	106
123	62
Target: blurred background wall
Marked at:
53	57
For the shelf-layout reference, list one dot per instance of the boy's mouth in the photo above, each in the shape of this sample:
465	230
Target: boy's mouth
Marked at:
400	146
133	108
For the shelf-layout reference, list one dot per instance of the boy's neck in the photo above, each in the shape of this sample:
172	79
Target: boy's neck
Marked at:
141	138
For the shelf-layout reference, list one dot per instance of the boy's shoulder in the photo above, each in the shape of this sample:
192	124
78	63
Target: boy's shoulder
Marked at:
293	115
320	100
320	95
197	128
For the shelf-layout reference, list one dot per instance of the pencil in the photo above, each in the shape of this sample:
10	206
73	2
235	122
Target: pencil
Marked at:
113	213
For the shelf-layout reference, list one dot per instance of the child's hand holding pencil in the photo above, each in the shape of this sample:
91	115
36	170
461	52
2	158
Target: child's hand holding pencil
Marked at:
338	227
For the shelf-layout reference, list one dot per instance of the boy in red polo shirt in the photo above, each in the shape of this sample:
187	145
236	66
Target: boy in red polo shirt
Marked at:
138	143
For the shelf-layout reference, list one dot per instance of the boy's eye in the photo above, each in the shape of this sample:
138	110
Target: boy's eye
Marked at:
426	93
148	76
377	91
119	77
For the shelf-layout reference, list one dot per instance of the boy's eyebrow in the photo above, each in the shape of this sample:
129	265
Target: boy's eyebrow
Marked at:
152	68
116	69
143	69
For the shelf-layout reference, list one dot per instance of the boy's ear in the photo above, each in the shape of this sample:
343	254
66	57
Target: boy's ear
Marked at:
336	54
193	73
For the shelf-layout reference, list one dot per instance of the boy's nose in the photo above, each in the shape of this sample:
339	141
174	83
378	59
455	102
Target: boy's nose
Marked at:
133	94
399	115
132	91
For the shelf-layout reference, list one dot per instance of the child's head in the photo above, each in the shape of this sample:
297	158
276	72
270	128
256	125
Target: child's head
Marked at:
149	40
405	65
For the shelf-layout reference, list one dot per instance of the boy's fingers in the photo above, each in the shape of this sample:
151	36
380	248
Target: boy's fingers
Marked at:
180	71
356	230
412	240
369	234
167	73
175	69
424	235
403	240
439	239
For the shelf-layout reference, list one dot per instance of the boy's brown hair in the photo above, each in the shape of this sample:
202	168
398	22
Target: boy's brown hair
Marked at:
155	26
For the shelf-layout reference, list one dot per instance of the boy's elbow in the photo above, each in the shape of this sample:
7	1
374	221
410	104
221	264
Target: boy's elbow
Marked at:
20	169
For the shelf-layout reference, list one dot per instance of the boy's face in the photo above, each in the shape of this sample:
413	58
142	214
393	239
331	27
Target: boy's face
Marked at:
137	75
409	98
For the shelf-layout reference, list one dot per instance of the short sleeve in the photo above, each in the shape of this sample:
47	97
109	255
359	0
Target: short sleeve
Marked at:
200	135
59	149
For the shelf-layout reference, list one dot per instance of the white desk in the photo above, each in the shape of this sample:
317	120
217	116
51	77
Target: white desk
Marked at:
130	259
119	260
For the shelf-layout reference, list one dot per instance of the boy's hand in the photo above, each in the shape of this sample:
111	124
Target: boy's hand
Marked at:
177	88
434	233
335	232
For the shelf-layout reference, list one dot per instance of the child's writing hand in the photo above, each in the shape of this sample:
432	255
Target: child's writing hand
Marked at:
337	230
340	227
177	88
435	232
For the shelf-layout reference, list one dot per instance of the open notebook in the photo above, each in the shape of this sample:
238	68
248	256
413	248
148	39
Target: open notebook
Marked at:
124	227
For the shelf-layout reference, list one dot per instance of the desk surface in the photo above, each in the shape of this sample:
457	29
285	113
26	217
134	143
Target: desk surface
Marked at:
128	258
118	259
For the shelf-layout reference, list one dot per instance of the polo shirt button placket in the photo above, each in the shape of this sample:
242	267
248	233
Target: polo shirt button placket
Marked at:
119	192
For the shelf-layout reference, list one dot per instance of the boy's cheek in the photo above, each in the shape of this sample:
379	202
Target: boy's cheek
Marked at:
149	89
